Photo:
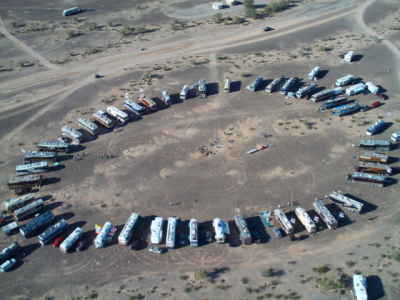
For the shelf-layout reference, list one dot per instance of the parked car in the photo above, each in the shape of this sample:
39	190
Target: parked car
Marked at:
156	250
277	231
57	241
376	104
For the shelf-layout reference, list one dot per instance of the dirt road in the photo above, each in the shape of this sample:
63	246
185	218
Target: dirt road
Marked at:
24	47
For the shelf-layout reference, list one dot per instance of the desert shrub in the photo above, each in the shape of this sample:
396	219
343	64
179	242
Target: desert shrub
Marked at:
250	9
321	269
276	6
200	275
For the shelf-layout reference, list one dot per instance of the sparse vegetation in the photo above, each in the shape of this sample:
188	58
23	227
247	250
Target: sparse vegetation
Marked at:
135	30
200	275
137	297
276	6
342	282
250	9
245	280
321	269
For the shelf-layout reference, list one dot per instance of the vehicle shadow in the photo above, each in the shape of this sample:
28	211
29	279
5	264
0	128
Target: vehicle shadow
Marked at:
235	86
375	288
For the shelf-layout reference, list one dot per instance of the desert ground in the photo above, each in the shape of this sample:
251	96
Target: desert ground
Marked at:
189	159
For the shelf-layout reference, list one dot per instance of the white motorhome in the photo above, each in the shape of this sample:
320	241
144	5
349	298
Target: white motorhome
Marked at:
221	229
360	287
120	115
346	201
283	220
170	239
156	229
305	219
194	233
125	236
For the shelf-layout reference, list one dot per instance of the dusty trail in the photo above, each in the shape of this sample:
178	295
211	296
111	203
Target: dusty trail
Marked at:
360	18
113	65
25	47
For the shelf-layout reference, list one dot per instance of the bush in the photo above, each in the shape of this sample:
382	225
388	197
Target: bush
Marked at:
276	6
218	18
200	275
250	9
321	269
132	30
245	280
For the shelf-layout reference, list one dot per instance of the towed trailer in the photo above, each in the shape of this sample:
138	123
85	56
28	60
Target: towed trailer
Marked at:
126	234
314	73
166	97
41	221
147	103
170	239
372	88
326	94
36	156
88	126
73	133
346	109
221	229
10	251
245	235
132	106
255	85
105	235
372	167
52	232
325	214
346	201
10	228
395	137
184	94
71	240
377	127
227	85
29	210
283	220
103	119
21	184
72	11
8	265
288	85
202	88
36	167
305	91
305	219
375	145
121	116
346	80
194	233
370	156
273	86
12	204
156	230
335	102
349	56
266	218
54	146
377	180
356	89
